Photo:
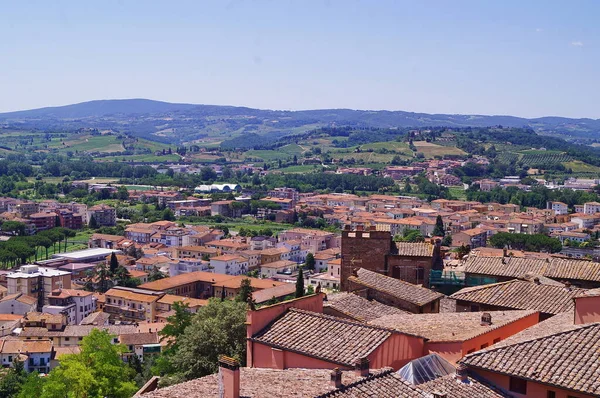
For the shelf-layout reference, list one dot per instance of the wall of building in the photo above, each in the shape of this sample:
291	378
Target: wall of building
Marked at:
364	249
587	309
534	390
396	351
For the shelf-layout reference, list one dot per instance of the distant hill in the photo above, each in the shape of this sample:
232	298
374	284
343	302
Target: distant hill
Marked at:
171	122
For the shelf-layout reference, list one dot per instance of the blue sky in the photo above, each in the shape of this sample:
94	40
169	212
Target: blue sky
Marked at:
525	58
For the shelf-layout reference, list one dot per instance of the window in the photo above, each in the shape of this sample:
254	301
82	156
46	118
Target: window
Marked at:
551	394
518	385
497	340
66	338
471	351
484	346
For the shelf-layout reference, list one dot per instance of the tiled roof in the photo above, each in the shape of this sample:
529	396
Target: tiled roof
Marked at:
422	249
456	389
569	360
263	295
521	295
512	267
321	336
457	326
561	268
555	324
139	338
359	308
386	384
395	287
516	267
259	383
183	279
129	295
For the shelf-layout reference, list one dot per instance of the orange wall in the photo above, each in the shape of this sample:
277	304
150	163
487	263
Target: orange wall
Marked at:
587	309
534	390
396	351
452	351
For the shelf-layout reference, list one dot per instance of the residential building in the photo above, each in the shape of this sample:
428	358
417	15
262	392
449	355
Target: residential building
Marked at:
475	237
352	306
35	355
134	305
68	219
38	282
43	221
75	304
271	269
18	304
194	284
591	208
559	208
229	264
104	215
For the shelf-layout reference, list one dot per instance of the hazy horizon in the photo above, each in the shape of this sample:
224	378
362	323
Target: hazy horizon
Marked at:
526	59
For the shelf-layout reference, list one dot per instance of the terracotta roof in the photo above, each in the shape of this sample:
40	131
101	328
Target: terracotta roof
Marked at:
359	308
395	287
129	295
259	383
517	294
455	389
568	360
26	346
386	384
43	317
77	331
139	338
171	299
555	324
279	264
452	326
415	249
256	283
516	267
321	336
178	280
263	295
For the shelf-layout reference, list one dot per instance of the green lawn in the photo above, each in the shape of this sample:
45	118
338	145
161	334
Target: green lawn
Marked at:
458	193
102	143
300	169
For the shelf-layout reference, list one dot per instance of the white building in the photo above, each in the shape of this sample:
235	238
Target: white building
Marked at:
591	207
229	264
186	265
18	304
76	304
559	208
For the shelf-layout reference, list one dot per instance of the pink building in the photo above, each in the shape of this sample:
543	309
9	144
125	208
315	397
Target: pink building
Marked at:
296	334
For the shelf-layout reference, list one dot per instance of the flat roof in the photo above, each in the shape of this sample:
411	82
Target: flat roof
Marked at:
40	271
86	253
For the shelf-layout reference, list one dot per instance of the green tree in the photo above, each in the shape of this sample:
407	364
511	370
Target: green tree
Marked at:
217	329
14	227
93	224
309	263
300	284
245	292
438	230
155	274
176	324
114	264
97	371
12	381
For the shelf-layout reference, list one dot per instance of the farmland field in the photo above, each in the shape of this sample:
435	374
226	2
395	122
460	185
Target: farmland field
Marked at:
431	150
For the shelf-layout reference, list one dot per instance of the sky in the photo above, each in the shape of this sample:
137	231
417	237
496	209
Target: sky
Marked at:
511	57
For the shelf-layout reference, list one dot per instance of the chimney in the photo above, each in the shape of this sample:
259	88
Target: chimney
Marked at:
536	280
438	394
568	286
462	374
229	373
361	367
336	378
486	319
505	251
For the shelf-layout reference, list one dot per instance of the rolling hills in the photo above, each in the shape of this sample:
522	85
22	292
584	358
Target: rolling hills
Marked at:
190	123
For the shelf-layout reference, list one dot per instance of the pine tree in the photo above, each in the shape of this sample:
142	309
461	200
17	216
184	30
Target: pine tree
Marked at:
93	223
300	284
114	264
245	292
439	227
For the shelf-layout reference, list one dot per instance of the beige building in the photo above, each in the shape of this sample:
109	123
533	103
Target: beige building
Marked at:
37	282
129	304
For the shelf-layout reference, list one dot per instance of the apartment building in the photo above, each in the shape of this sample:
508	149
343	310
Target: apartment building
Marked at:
104	215
37	282
76	304
128	304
